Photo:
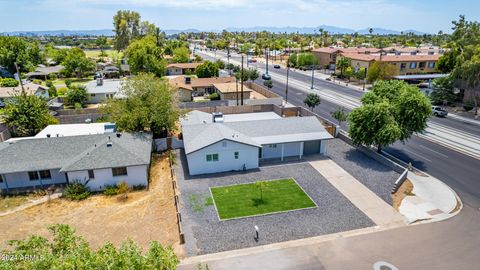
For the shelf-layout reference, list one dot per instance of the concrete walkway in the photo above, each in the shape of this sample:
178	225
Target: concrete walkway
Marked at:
432	200
363	198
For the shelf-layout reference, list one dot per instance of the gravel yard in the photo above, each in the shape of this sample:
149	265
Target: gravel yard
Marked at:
204	233
374	175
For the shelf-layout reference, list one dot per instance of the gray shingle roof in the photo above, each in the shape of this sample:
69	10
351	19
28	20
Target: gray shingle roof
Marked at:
75	152
109	86
199	131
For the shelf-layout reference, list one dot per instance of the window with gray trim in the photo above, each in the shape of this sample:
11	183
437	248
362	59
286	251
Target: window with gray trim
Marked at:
91	174
119	171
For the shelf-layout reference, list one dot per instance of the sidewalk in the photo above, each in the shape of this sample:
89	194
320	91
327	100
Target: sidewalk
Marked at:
432	200
381	213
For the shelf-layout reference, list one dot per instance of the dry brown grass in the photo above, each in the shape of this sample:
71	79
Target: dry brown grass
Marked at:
404	190
145	216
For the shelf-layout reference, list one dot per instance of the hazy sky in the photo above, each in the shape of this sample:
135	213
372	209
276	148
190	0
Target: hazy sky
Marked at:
422	15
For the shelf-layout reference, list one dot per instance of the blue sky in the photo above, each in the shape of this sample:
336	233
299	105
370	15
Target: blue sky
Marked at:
422	15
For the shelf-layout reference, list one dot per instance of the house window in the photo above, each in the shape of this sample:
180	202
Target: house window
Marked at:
45	174
212	157
422	64
272	146
431	64
403	66
236	154
1	178
119	171
92	95
91	175
224	144
33	176
413	65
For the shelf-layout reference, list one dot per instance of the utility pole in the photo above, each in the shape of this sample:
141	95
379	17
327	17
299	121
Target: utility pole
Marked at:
19	79
241	86
266	57
286	88
312	76
236	84
228	61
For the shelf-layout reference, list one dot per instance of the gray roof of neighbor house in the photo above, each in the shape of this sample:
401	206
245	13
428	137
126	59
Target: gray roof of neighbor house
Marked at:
30	89
200	131
74	153
109	86
45	71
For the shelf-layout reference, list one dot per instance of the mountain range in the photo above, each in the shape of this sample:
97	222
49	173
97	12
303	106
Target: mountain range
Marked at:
287	29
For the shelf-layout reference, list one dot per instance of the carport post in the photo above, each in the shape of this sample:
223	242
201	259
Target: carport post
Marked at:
282	150
301	149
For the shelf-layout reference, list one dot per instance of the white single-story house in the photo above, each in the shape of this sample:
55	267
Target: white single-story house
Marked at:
99	90
220	143
104	159
181	68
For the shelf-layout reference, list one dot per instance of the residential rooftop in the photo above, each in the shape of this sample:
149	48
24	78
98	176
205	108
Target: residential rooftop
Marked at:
180	82
108	87
30	89
184	65
230	87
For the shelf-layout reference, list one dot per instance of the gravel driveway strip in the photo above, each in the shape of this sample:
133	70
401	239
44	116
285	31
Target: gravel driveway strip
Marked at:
204	233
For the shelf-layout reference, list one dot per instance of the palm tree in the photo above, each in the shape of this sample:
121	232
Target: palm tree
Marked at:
342	64
321	35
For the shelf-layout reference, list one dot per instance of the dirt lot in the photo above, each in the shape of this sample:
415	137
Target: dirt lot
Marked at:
145	216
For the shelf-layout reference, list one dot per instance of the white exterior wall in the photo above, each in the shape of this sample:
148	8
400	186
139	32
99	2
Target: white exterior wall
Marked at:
323	147
289	149
136	175
248	155
98	98
21	179
174	71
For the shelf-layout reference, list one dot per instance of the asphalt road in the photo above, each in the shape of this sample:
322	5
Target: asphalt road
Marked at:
461	172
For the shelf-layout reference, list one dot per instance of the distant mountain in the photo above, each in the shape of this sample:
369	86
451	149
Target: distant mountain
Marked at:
101	32
286	29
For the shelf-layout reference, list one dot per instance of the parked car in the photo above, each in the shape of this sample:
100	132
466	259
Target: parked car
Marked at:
266	77
252	60
439	111
276	66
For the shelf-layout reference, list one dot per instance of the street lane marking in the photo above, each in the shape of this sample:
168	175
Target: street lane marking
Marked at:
413	153
436	152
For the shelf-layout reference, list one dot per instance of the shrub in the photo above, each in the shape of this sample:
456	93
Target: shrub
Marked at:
68	83
77	94
48	83
9	82
76	190
110	190
268	83
468	105
52	91
62	91
52	76
37	81
214	96
123	189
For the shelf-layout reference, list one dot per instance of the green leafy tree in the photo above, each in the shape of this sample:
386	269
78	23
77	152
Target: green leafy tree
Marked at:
292	60
77	94
442	91
349	73
181	55
77	63
207	70
126	26
145	56
150	104
245	77
312	100
26	115
380	71
306	60
64	249
446	63
253	74
220	64
360	74
26	54
268	83
393	110
340	114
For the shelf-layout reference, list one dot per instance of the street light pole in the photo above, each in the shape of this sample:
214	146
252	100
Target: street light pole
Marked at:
286	88
266	57
241	86
312	77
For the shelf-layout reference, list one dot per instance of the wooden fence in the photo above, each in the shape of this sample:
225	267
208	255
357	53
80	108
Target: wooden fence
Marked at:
177	200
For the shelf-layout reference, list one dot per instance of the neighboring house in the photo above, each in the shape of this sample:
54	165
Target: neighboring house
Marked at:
42	72
229	91
327	56
4	73
76	130
404	64
104	159
189	87
181	68
30	89
220	143
99	90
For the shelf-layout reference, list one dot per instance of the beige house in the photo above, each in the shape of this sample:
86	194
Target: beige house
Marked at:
228	91
189	87
181	68
327	56
30	89
404	64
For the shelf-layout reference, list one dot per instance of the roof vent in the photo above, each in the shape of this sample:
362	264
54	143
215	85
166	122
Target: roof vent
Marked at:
119	135
109	144
217	117
48	135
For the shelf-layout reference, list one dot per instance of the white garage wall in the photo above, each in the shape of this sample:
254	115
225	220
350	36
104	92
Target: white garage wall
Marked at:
248	155
136	175
21	179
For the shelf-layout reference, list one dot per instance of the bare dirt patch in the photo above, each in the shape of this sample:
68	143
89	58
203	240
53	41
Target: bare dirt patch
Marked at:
145	216
402	192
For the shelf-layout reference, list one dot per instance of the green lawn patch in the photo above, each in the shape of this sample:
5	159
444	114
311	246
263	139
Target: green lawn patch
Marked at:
262	197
